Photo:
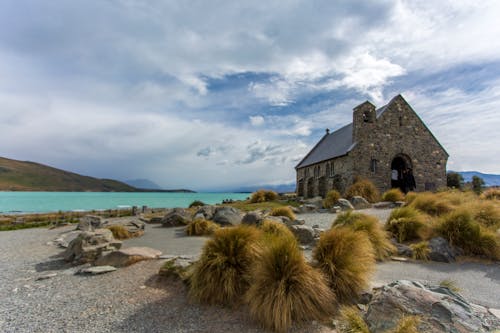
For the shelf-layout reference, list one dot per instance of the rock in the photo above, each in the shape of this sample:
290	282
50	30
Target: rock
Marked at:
399	203
176	268
252	218
94	270
304	233
360	203
207	212
384	205
176	217
227	216
307	208
344	204
335	209
128	256
316	201
440	309
403	250
64	239
90	223
400	259
440	250
155	220
90	245
133	225
46	276
495	312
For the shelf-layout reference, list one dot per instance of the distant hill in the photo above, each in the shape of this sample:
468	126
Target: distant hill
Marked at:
143	184
281	188
489	179
29	176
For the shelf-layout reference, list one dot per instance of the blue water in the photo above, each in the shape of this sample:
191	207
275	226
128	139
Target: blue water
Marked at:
41	202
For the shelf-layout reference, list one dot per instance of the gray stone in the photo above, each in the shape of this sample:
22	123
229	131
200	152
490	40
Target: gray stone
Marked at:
94	270
90	223
252	218
46	276
344	204
225	216
176	217
440	309
316	201
440	250
207	212
155	220
307	208
384	205
133	225
89	246
360	203
304	233
128	256
64	239
176	268
403	250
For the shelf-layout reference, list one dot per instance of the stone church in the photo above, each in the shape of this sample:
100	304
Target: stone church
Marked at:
378	144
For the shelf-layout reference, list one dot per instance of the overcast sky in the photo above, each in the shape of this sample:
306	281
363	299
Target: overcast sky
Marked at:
212	95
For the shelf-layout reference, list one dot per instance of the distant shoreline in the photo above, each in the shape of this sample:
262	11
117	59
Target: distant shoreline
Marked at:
139	190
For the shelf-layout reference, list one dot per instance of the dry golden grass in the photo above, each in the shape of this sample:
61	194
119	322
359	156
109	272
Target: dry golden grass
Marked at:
263	196
407	223
274	228
410	196
283	211
420	250
486	213
347	259
331	199
450	284
457	198
119	232
393	195
407	324
372	227
221	276
285	289
432	204
491	194
201	227
365	188
353	320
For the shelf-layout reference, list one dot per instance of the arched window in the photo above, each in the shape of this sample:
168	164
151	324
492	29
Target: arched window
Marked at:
373	165
331	170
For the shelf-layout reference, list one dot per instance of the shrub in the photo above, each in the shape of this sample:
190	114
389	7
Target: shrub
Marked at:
331	198
372	227
393	195
410	196
491	194
119	232
263	196
354	322
221	274
347	259
406	223
201	227
420	250
454	180
431	204
274	228
477	184
283	211
196	203
285	288
450	284
407	324
487	214
364	188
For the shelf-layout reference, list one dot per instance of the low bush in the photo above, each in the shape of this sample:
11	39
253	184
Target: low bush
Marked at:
431	204
119	232
393	195
283	211
457	198
450	284
353	321
407	324
364	188
372	227
285	289
201	227
410	196
487	214
421	250
347	259
196	203
491	194
331	199
406	224
221	274
274	228
263	196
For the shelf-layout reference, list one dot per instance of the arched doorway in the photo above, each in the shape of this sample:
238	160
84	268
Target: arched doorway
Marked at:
399	165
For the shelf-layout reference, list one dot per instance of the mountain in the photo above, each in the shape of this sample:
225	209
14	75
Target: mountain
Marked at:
489	179
143	184
30	176
281	188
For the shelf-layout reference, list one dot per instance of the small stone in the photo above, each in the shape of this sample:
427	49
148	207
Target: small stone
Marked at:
142	287
94	270
495	312
402	259
46	276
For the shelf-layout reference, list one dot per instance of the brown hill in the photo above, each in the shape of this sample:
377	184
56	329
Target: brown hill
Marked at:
29	176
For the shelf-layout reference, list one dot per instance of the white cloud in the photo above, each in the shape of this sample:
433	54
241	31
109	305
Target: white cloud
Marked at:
256	120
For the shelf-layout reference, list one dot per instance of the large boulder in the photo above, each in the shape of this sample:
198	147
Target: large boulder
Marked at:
440	309
344	204
90	223
316	201
128	256
133	225
252	218
205	212
360	202
176	217
227	216
440	250
304	233
177	268
91	245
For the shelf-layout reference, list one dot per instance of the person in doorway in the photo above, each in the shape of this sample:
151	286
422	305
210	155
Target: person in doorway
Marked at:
394	178
411	185
403	185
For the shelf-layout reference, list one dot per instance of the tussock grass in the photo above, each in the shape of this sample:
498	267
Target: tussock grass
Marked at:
201	227
491	194
407	223
274	228
364	188
221	276
347	259
420	250
353	320
285	289
407	324
283	211
263	196
431	204
410	196
119	232
393	195
486	213
372	227
331	199
450	284
457	198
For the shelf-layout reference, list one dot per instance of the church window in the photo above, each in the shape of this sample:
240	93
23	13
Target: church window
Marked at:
373	165
332	169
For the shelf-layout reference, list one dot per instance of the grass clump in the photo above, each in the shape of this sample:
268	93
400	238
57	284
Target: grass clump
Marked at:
273	228
431	204
285	289
353	320
372	227
491	194
450	284
407	324
393	195
487	214
221	276
421	250
263	196
347	259
364	188
410	196
331	199
196	203
201	227
283	211
406	223
119	232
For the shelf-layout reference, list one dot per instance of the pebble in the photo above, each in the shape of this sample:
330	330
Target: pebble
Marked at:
46	276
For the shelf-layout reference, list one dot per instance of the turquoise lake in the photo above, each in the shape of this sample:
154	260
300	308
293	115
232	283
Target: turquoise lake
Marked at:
41	202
